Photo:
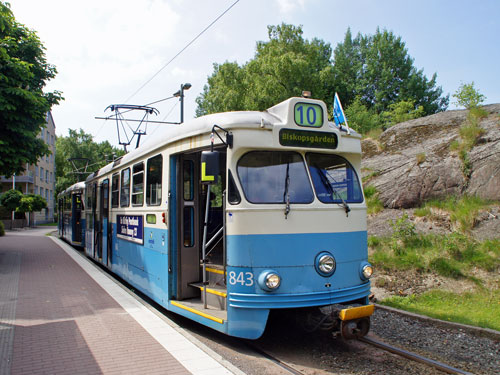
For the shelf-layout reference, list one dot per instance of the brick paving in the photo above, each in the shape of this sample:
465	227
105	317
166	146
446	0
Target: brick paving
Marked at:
65	323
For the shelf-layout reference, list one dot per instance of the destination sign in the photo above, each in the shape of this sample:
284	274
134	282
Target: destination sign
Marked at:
130	228
308	139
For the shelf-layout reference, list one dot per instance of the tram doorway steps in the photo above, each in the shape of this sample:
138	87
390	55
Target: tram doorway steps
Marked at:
215	274
195	305
216	295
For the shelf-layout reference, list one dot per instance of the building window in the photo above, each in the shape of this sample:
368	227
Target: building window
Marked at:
36	171
47	176
41	174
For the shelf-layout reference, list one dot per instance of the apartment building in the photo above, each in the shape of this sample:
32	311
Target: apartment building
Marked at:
40	178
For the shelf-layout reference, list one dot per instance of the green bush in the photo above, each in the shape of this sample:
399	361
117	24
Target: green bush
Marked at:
2	229
467	96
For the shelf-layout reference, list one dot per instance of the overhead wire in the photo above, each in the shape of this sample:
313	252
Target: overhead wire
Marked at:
183	49
169	62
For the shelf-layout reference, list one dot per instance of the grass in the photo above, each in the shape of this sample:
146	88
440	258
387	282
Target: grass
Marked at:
463	211
373	203
453	256
47	225
420	158
481	308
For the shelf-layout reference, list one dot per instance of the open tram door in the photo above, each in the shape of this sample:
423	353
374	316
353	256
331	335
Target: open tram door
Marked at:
105	228
193	269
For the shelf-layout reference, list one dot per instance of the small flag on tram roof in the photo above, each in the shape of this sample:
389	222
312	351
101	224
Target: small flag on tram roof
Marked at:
338	112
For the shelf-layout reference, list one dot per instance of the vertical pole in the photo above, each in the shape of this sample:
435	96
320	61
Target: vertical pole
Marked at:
182	103
204	249
13	212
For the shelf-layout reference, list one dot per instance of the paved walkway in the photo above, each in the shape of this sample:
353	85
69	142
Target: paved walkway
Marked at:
59	314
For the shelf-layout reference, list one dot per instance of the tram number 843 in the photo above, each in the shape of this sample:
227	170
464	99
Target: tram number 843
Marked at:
242	278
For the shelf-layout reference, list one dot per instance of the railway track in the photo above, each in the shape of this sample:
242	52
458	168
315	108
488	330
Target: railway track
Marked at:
414	356
379	344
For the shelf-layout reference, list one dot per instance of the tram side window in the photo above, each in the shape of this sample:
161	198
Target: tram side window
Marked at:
233	193
138	184
125	188
154	176
105	193
115	192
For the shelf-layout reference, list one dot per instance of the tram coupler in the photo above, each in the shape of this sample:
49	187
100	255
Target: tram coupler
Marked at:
354	321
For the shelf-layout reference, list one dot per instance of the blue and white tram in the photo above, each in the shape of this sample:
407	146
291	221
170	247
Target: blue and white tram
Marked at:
284	226
71	223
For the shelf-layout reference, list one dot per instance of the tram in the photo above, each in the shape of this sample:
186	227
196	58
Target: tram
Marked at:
229	216
71	223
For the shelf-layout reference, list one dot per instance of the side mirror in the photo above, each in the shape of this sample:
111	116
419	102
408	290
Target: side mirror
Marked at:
209	167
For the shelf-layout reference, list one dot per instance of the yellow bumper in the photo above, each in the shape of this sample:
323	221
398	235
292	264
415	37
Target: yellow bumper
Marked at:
356	312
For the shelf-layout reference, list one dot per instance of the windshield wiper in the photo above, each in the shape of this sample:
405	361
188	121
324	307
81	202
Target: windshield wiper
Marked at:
286	194
332	191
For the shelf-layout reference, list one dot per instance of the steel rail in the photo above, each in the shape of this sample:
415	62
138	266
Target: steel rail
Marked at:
273	359
415	357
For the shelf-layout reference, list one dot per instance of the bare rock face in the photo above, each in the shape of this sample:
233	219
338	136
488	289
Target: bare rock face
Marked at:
412	161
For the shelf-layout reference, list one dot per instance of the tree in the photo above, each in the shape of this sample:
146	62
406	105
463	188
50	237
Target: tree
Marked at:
378	70
467	96
79	144
10	200
31	203
282	67
400	112
24	73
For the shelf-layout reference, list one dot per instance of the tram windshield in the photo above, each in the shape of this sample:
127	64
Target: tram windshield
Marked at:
334	179
274	177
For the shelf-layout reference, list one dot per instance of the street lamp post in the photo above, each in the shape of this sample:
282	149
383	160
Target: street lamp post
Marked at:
180	95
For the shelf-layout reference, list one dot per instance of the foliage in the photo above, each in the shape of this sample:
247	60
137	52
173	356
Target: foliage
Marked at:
370	73
79	144
454	307
373	203
362	119
378	70
401	111
24	73
467	96
10	199
2	229
31	203
282	67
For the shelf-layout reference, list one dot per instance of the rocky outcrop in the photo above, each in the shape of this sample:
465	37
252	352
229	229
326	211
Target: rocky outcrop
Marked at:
412	162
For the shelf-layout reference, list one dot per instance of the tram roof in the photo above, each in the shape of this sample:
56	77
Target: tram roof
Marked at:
275	115
78	186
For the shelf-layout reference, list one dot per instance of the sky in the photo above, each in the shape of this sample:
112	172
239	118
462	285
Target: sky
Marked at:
124	51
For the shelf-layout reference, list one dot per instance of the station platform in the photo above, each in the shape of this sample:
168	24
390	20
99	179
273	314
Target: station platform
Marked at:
61	314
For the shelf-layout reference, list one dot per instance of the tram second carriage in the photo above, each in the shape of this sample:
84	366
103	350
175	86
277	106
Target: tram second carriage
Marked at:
270	216
71	223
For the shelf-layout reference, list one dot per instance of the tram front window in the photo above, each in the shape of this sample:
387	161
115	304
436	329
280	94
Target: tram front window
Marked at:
334	179
274	177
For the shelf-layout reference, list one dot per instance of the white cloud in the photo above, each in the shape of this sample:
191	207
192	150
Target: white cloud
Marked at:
290	6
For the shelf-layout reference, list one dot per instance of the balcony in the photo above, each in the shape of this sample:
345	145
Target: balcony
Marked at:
19	179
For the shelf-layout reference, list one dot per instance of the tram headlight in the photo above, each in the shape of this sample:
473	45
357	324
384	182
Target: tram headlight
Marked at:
325	264
366	270
269	280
